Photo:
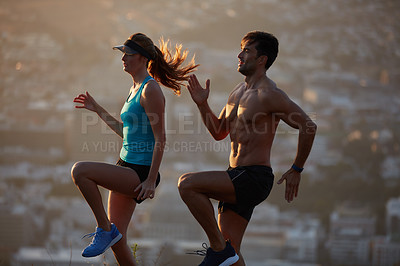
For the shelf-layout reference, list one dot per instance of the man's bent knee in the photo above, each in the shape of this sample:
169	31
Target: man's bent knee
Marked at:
184	183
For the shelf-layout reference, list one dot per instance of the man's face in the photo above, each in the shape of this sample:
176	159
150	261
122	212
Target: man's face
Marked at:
247	59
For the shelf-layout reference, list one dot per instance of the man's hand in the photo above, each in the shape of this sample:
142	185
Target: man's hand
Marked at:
199	95
292	178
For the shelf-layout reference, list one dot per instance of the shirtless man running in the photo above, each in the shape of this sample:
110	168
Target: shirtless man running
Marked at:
250	117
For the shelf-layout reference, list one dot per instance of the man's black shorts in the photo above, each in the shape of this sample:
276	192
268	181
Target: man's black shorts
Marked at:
252	186
141	170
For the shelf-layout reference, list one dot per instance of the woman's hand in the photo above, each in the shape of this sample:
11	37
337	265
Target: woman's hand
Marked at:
86	101
147	189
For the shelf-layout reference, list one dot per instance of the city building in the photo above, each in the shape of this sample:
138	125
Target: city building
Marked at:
385	252
393	218
351	229
15	230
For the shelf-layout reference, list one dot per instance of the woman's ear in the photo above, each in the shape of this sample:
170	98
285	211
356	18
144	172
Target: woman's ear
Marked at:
144	60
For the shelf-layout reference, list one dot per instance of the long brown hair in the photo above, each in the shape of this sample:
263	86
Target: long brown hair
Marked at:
163	66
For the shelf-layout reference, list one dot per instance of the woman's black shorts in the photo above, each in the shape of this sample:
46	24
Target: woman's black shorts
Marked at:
141	170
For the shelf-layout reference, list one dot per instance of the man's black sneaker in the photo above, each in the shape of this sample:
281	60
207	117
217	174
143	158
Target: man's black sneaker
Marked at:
225	257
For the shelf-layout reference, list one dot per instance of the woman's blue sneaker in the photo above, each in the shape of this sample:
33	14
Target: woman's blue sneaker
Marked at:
101	241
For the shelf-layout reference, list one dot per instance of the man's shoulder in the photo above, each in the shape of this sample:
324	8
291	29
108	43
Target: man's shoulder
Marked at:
237	90
268	89
272	96
239	87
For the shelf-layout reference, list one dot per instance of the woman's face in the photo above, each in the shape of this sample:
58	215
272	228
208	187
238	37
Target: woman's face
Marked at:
132	63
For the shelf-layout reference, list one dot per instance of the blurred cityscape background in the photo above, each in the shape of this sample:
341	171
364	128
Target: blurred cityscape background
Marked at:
339	60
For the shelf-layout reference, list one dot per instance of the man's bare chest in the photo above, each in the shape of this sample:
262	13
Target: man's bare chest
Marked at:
245	107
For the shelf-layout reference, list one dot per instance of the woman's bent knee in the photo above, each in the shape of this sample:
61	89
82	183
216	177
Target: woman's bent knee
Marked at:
78	171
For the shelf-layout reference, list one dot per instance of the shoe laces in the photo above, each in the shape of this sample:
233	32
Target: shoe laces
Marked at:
94	234
201	252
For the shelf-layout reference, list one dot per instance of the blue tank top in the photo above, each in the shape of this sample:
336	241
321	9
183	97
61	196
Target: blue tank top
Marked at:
138	138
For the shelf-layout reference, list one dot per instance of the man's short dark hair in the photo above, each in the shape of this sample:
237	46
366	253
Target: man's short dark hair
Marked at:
266	44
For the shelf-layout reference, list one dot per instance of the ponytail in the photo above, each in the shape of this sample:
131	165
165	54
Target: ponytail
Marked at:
167	68
163	66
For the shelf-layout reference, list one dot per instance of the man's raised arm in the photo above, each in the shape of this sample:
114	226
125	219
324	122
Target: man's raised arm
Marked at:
216	126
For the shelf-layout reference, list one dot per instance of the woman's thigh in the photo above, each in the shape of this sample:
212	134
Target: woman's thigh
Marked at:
112	177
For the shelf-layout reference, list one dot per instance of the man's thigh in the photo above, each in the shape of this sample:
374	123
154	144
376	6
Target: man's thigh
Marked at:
215	184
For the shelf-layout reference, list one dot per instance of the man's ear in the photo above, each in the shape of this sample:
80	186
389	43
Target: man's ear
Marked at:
262	60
